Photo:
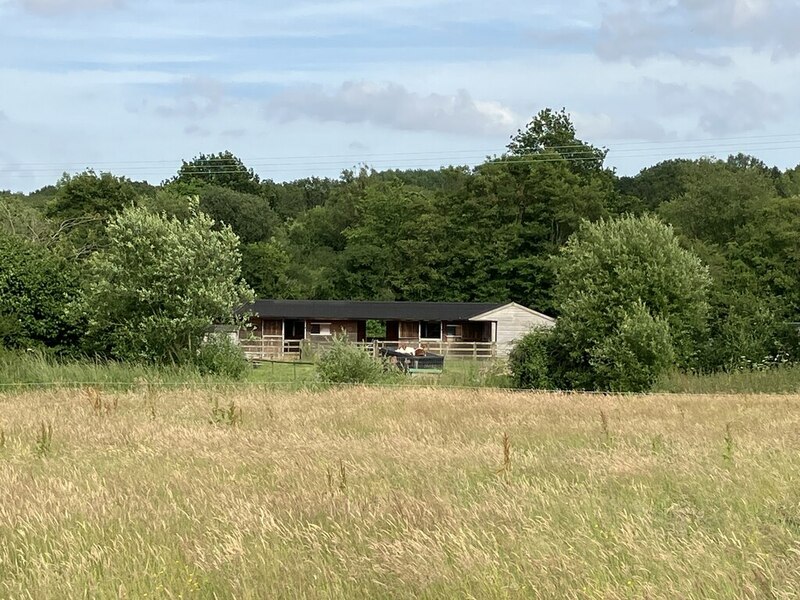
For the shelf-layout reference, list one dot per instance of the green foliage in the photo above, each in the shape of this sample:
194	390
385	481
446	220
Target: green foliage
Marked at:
230	415
291	199
530	362
553	131
631	300
608	267
20	218
223	169
635	355
717	201
39	368
393	245
269	269
160	284
37	289
221	356
376	329
83	204
43	444
248	215
343	362
748	332
658	184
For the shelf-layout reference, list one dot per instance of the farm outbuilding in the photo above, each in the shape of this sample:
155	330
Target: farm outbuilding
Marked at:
285	328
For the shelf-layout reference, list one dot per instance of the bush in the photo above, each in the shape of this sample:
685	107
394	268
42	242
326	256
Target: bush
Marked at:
159	283
37	287
529	361
344	362
631	301
636	355
750	333
219	355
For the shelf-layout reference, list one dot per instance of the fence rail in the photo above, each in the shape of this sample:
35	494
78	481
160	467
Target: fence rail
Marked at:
276	348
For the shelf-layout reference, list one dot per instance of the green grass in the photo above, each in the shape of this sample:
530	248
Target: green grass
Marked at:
776	380
18	370
388	493
456	373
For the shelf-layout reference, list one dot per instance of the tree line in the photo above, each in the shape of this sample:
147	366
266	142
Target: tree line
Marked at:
495	232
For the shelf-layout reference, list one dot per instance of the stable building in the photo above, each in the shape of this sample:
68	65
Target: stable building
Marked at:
282	328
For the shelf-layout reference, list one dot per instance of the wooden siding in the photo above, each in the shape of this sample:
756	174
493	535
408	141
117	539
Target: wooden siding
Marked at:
350	328
513	322
258	328
409	330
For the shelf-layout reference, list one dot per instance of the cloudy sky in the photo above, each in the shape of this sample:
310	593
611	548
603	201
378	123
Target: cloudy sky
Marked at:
308	87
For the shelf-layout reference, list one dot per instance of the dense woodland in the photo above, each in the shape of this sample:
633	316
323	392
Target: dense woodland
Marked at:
487	233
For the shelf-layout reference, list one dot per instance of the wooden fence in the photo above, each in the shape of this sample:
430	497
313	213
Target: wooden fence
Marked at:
276	348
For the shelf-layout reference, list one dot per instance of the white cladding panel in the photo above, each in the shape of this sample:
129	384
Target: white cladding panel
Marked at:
513	322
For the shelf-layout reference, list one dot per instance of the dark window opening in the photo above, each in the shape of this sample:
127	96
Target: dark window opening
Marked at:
430	330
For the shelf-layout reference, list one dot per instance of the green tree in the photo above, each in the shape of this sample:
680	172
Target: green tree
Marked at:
293	198
83	204
504	222
160	284
658	184
223	169
37	291
552	131
628	297
249	216
268	268
19	218
717	201
393	246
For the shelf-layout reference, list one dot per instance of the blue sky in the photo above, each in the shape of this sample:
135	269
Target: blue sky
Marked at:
314	86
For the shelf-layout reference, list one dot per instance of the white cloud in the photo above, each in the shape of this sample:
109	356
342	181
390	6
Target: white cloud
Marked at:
392	105
694	30
742	107
198	97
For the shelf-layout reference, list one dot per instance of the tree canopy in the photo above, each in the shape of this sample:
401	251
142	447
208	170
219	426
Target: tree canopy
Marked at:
459	233
160	284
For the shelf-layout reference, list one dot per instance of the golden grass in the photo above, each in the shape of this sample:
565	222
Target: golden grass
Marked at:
364	493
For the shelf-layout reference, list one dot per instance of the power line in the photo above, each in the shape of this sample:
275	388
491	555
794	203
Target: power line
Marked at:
430	162
383	164
447	154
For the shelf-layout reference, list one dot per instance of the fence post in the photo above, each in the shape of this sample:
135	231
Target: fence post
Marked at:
263	347
374	348
474	350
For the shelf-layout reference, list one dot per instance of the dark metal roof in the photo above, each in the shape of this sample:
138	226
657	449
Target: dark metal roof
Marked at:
359	310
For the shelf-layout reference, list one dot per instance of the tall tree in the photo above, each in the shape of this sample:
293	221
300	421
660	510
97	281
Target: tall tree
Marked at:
160	284
37	291
553	132
629	298
84	203
223	169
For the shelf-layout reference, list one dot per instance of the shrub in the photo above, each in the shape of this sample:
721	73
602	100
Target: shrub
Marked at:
631	301
219	355
159	283
529	361
635	356
749	332
344	362
37	286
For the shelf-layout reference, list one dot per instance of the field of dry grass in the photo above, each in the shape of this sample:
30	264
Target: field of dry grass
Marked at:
358	493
